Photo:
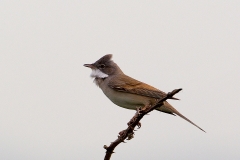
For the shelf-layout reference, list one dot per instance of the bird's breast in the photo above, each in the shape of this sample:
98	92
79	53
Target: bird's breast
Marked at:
125	100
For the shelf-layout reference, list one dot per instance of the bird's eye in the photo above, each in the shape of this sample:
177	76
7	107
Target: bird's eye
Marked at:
102	66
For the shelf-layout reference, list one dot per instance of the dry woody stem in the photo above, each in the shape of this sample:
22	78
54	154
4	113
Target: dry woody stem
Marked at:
135	121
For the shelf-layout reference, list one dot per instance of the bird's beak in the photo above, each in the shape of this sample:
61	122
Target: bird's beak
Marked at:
90	66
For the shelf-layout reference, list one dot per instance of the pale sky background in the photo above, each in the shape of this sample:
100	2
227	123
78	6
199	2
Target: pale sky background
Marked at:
51	110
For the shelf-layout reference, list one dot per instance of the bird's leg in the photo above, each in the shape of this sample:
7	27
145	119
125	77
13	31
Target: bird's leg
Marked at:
135	116
139	109
146	107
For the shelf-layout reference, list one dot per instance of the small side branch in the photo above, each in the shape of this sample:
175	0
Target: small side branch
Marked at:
135	121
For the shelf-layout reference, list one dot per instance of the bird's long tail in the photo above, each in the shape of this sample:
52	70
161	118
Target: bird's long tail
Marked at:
168	108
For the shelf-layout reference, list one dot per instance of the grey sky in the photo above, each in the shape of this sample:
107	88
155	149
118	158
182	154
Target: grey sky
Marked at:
50	109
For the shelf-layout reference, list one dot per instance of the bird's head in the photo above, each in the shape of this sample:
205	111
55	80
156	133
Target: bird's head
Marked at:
104	67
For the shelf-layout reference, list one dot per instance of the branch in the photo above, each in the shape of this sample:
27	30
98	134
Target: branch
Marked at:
135	121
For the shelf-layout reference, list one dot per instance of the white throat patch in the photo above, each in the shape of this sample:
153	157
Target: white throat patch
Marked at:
97	73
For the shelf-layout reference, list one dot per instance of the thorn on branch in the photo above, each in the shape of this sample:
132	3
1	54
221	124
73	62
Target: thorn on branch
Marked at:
105	147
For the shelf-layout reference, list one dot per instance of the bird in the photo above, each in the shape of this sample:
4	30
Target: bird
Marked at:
127	92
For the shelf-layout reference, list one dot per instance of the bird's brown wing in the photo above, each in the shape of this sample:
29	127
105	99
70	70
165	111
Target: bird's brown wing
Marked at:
127	84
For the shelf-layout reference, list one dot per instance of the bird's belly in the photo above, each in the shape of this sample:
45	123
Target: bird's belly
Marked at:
126	100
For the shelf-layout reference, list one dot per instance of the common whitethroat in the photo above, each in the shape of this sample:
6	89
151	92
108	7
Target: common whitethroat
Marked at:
125	91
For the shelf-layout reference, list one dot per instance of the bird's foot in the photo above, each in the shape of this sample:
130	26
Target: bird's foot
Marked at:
130	136
131	121
139	125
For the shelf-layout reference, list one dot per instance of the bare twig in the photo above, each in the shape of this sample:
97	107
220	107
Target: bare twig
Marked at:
135	121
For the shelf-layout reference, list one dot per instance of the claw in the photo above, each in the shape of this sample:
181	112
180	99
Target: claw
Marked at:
139	125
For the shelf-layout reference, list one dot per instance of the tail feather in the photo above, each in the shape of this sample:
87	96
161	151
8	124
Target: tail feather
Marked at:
167	108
